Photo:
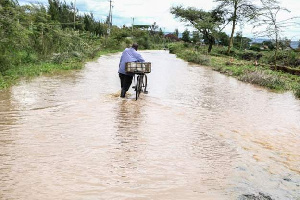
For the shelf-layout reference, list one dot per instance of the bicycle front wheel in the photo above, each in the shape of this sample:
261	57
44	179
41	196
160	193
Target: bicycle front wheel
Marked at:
145	84
138	87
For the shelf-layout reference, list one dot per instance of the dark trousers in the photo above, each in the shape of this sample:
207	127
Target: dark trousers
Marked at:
126	81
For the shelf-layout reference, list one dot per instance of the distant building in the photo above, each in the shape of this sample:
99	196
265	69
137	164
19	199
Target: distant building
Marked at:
172	37
142	27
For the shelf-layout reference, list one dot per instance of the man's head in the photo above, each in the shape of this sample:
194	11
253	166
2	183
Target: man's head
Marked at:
135	46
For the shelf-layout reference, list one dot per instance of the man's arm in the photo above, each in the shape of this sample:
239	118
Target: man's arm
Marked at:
139	57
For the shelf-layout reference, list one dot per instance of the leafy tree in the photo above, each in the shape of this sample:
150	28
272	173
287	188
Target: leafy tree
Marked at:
186	36
160	32
100	29
207	23
9	3
61	12
196	37
284	43
255	47
153	28
66	15
237	11
241	42
13	35
89	21
222	38
53	9
269	44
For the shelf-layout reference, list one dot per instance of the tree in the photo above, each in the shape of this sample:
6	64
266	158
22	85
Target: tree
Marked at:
160	32
237	11
269	44
207	23
153	28
186	36
241	42
89	22
196	37
61	12
53	9
284	43
222	38
176	33
268	18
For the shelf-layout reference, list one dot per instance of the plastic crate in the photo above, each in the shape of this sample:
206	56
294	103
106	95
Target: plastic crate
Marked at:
138	67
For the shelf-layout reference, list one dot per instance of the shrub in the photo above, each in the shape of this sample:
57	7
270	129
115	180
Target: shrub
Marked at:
195	57
255	47
288	58
175	47
263	78
249	55
144	42
5	63
297	91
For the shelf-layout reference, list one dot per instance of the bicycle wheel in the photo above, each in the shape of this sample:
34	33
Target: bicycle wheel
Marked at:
138	87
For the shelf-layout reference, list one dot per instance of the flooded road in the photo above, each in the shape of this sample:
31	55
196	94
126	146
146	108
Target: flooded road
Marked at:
197	135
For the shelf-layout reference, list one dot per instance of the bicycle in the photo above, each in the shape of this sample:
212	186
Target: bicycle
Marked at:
141	84
140	69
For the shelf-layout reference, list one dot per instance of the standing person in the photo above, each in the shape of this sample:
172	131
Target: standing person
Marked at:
128	55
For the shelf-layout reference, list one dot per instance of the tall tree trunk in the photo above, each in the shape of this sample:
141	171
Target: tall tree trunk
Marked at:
209	47
276	50
211	42
233	27
231	38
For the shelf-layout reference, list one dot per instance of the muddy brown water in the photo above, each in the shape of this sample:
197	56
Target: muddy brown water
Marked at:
197	134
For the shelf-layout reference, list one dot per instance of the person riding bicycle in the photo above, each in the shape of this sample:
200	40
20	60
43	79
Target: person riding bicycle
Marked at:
128	55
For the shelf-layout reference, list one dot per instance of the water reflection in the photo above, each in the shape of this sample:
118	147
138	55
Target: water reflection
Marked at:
129	122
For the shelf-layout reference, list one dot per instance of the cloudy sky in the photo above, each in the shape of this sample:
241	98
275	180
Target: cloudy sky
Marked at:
150	11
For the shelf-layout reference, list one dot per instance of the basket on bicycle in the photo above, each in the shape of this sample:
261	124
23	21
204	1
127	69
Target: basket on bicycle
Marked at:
138	67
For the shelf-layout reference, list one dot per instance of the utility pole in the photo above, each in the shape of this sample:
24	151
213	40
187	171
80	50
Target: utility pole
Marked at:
132	24
74	12
109	17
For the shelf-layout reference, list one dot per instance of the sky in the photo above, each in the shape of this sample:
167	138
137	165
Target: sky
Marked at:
146	12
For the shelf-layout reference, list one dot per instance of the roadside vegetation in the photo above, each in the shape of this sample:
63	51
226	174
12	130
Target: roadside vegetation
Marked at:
244	65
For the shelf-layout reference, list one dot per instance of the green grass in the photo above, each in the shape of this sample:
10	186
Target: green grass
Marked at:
243	70
11	76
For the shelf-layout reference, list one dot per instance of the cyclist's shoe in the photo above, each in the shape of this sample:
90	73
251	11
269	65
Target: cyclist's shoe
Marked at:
145	92
123	92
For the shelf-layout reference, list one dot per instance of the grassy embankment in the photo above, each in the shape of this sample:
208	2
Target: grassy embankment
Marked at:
243	70
60	62
56	64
